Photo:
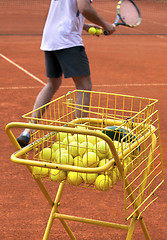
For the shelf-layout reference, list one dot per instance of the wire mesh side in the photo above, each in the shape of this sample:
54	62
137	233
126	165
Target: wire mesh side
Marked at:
144	168
101	106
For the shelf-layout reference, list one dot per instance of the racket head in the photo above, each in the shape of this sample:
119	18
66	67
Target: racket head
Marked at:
128	13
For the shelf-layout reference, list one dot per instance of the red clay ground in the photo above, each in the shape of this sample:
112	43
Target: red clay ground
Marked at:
133	65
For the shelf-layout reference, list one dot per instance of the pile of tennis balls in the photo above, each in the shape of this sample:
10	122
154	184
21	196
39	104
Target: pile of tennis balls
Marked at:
82	151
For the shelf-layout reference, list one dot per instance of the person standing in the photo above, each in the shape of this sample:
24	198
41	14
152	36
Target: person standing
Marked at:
65	52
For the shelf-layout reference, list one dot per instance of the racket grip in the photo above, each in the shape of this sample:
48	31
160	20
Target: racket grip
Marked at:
106	32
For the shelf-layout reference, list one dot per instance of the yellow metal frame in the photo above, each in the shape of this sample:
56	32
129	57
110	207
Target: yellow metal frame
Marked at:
144	131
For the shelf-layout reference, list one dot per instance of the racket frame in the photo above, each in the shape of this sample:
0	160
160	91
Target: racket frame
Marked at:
117	23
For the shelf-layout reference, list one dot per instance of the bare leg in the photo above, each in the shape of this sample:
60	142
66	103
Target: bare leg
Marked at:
46	95
43	98
82	83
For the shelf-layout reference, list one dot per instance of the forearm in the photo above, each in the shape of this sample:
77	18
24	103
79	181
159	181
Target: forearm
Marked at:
91	15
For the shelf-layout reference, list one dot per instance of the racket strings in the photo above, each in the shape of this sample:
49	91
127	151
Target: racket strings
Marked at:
129	13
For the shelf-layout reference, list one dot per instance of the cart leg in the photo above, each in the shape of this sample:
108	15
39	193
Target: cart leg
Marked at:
68	230
131	228
42	188
51	218
136	205
144	228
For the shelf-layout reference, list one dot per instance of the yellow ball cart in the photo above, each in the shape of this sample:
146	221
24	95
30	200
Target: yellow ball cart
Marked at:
122	134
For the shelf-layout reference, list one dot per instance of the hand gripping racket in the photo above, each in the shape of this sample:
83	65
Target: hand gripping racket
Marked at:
128	14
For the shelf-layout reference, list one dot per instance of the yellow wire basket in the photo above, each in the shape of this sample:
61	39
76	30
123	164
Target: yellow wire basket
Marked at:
114	138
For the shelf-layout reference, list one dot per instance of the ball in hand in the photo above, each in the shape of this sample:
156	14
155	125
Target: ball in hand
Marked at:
92	31
98	31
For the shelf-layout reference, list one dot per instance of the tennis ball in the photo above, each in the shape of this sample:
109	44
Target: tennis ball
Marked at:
89	178
62	135
79	138
109	156
92	31
93	139
90	159
98	31
53	157
74	178
39	172
78	161
57	175
85	147
73	149
115	175
55	146
102	149
103	182
102	163
45	154
58	153
67	140
65	158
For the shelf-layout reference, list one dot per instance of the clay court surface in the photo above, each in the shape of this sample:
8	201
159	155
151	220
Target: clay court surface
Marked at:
126	64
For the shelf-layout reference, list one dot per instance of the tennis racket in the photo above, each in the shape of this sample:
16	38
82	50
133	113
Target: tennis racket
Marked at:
128	14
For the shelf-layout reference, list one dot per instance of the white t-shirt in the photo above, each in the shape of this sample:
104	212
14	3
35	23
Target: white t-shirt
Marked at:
63	26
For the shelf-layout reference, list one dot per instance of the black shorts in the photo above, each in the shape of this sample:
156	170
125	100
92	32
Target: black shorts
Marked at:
72	62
